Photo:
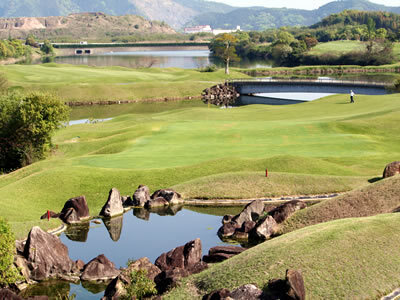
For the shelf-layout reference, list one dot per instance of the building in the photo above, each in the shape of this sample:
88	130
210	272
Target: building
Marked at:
198	29
219	31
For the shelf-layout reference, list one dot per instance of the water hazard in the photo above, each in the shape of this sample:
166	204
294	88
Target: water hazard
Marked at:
138	233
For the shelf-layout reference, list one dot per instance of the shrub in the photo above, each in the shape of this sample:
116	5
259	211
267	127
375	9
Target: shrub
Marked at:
141	286
8	273
27	123
210	68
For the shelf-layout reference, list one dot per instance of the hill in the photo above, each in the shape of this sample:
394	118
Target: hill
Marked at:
80	26
260	18
173	12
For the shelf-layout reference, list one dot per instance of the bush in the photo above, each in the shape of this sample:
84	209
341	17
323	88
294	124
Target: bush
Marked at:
210	68
27	123
141	286
8	273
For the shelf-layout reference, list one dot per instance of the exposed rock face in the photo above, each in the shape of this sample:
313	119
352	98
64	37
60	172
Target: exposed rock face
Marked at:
247	292
179	262
285	211
221	253
52	215
292	288
227	230
75	210
113	206
116	288
170	195
99	269
141	196
47	257
392	169
265	229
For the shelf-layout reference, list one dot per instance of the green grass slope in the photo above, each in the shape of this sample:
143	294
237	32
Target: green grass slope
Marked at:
187	144
343	259
84	83
381	197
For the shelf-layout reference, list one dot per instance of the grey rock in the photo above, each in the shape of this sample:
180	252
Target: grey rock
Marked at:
113	206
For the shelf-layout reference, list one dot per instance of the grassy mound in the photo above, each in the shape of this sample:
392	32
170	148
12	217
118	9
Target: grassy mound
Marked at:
84	83
186	145
381	197
256	185
343	259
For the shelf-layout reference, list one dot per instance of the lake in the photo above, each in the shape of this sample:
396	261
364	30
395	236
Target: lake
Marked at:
185	59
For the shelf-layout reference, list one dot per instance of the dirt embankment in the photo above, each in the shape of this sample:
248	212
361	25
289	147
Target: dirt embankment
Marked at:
80	26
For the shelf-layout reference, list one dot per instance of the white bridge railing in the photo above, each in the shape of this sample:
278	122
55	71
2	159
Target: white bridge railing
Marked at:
319	80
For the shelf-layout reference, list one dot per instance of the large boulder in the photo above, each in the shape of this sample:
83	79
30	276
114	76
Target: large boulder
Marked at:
251	212
285	211
247	292
113	206
47	257
183	257
227	230
264	229
75	210
392	169
116	288
170	195
291	288
221	253
156	202
168	279
218	295
141	196
99	269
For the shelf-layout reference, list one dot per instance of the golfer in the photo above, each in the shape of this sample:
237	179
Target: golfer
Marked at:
351	96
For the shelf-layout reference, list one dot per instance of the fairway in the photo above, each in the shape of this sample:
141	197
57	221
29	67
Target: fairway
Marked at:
301	145
85	83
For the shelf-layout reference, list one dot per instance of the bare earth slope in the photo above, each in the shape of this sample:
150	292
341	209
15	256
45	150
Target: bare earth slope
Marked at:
80	26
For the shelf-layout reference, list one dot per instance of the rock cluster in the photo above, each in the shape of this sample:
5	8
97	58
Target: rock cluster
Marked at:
221	253
221	95
255	223
291	288
75	210
392	169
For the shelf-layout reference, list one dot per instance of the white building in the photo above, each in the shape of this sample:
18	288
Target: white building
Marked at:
219	31
198	29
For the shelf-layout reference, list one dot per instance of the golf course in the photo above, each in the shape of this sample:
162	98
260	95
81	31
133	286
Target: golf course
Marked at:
204	152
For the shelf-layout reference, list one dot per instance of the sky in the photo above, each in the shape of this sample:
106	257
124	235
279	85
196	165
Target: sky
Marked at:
304	4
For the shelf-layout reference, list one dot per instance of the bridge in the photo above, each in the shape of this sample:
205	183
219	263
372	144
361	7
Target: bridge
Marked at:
322	85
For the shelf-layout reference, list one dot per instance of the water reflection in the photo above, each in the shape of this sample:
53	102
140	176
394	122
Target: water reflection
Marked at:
78	232
114	227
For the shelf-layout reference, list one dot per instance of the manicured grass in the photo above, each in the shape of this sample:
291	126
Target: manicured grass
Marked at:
84	83
343	259
340	47
381	197
337	47
186	145
256	185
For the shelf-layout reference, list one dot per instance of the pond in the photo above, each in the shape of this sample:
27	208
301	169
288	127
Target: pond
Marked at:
138	233
185	59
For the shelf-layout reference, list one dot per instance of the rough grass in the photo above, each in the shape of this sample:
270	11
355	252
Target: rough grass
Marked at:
256	185
381	197
182	145
343	259
84	83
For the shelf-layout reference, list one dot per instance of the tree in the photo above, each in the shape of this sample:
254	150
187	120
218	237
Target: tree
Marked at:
223	46
47	48
27	123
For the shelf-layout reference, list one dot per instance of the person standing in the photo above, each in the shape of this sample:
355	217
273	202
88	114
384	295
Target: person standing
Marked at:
351	96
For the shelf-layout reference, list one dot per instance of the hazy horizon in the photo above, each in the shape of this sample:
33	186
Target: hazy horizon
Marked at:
307	4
